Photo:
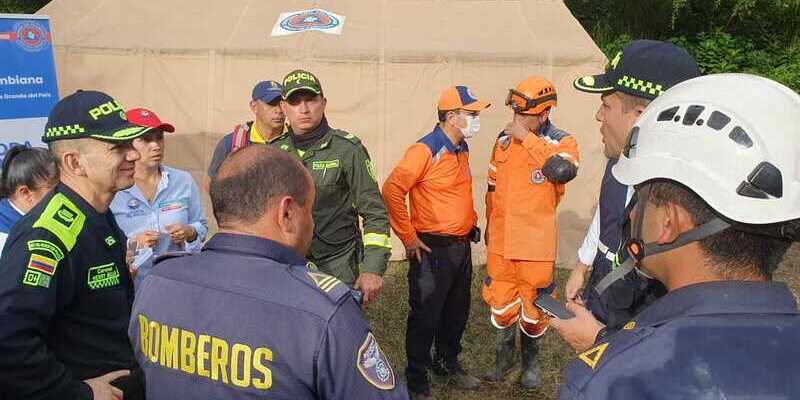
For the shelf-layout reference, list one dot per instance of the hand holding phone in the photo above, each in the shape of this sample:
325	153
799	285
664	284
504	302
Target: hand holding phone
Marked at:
553	307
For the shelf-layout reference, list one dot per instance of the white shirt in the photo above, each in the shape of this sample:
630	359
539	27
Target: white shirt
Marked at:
588	249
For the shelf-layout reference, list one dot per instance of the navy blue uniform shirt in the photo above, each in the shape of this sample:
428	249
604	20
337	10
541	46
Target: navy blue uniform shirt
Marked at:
65	300
249	319
715	340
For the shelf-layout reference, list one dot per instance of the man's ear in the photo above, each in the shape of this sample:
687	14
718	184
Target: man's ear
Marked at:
639	109
72	163
286	209
453	119
253	104
673	220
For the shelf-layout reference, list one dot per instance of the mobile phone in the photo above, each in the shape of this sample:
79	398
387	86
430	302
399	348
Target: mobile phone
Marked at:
475	234
357	296
553	307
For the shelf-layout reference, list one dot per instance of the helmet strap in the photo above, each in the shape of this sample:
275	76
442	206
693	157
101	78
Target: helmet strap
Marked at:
638	249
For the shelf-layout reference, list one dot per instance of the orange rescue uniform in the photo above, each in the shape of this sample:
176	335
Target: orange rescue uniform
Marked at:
435	174
521	225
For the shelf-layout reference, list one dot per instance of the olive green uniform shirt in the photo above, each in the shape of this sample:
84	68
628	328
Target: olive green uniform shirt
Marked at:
347	188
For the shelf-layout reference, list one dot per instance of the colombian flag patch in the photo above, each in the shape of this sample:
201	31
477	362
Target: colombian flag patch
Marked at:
42	264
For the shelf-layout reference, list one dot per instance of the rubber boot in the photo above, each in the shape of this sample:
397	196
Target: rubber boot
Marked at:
504	353
530	370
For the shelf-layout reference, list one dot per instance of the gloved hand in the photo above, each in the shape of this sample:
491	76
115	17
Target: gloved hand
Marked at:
559	170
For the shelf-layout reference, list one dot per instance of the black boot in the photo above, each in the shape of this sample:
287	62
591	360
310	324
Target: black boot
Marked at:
504	353
530	370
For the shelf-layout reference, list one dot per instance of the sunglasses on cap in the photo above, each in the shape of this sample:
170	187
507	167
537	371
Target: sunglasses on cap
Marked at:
519	102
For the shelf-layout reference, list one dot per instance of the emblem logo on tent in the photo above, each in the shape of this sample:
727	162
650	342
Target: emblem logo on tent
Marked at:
311	19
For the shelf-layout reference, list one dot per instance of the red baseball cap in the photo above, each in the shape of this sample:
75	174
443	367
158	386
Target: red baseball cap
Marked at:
147	118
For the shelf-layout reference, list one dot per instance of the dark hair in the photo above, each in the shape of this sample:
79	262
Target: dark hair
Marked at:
443	115
251	178
32	167
735	252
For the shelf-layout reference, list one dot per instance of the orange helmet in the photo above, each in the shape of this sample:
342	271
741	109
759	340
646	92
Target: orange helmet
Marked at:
532	96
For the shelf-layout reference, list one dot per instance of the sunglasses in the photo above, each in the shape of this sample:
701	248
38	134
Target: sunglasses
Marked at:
519	102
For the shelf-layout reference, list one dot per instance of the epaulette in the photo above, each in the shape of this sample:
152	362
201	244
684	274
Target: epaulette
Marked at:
346	135
331	287
62	218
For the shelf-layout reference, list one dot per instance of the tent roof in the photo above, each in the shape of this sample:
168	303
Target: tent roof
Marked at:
532	31
195	62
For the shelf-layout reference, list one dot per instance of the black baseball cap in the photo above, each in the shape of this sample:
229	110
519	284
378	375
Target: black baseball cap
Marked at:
90	114
267	91
298	80
644	68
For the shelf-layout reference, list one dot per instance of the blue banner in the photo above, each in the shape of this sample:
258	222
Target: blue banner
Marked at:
28	86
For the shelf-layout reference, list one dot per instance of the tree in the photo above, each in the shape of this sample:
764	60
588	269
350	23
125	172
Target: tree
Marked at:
21	6
755	36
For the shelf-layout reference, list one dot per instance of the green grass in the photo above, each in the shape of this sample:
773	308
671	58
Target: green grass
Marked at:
388	320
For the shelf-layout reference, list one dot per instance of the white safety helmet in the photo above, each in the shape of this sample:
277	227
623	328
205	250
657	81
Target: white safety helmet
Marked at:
734	139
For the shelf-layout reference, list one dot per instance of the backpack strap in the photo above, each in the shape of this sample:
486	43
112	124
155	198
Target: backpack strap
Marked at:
241	137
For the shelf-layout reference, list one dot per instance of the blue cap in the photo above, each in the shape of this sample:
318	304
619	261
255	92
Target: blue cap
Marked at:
644	68
267	91
90	114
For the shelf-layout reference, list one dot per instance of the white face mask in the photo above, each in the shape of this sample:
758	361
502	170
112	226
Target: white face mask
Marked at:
473	126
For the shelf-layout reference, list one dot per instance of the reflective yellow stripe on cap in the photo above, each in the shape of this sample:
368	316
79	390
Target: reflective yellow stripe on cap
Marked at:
377	239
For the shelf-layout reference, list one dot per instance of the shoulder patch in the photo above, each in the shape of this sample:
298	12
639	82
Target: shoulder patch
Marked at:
592	356
36	278
42	263
62	218
373	366
347	135
371	170
504	140
45	246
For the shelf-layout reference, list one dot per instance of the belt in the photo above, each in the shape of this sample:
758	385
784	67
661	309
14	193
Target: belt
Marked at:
440	240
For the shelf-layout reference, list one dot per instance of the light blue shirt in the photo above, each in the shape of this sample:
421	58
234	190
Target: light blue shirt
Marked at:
176	201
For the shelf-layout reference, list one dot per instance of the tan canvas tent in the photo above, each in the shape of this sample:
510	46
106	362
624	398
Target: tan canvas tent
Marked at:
194	62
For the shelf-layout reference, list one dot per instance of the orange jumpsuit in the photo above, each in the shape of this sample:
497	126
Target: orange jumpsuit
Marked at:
521	226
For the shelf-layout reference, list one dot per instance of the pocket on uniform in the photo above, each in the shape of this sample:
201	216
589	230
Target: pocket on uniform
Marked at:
326	172
107	302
